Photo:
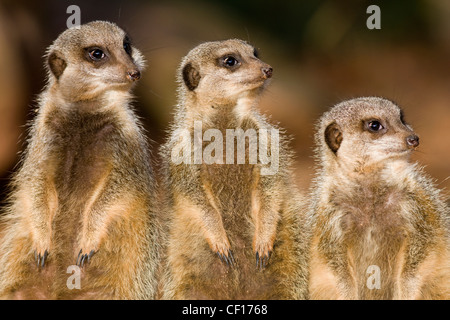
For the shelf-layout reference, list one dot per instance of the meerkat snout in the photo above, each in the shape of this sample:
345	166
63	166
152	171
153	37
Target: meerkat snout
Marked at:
134	75
412	141
267	71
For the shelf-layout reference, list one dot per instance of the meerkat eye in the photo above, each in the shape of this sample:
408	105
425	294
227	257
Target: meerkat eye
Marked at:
374	126
127	47
96	54
256	53
230	61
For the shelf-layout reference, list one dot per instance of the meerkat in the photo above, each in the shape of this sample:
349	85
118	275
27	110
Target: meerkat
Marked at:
381	229
84	195
236	232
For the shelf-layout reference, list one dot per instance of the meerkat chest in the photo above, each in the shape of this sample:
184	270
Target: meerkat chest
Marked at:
230	161
370	233
373	219
229	181
81	149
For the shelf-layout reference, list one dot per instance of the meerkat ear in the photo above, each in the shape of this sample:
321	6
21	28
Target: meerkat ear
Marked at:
191	76
333	136
56	64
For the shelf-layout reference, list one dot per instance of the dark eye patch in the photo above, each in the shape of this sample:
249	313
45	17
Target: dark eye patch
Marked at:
256	53
96	54
127	45
374	126
231	61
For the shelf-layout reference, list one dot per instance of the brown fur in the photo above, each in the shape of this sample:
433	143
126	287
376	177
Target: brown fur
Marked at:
85	182
373	207
230	209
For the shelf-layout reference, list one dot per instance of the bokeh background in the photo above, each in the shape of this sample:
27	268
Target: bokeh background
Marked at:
321	52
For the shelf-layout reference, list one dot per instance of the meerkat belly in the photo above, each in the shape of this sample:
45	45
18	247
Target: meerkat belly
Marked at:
374	235
231	182
229	185
82	160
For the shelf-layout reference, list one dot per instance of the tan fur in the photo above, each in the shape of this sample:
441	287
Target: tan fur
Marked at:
86	181
323	282
373	207
230	209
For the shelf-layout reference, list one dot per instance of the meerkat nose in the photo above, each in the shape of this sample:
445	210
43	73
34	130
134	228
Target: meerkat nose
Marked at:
267	71
412	141
134	75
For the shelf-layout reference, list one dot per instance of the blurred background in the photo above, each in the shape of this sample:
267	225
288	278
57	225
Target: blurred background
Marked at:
321	51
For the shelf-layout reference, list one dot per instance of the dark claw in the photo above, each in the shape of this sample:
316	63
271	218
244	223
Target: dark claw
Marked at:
228	259
44	258
84	258
261	262
230	255
225	258
90	255
40	259
78	258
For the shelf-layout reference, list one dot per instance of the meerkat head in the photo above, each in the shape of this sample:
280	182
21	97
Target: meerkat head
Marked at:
85	62
221	72
364	132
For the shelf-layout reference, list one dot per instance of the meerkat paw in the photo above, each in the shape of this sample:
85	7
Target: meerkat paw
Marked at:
225	254
41	250
263	252
84	257
227	258
40	258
